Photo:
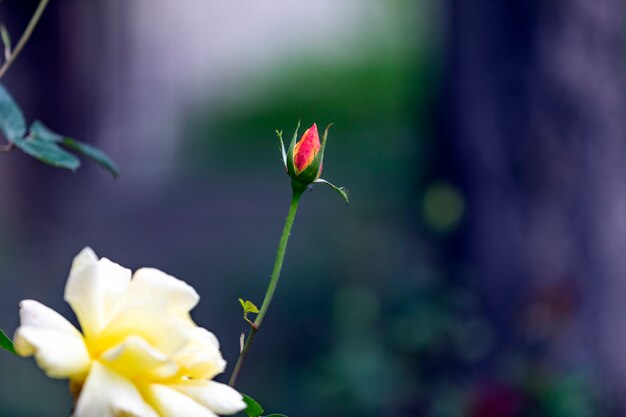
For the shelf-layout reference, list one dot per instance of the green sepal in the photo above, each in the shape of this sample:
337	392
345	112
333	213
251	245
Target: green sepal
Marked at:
291	170
6	343
342	191
283	152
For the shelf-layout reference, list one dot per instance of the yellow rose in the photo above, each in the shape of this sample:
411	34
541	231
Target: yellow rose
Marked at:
139	354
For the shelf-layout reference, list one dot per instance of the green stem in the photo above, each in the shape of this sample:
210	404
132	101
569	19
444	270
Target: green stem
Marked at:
271	288
25	37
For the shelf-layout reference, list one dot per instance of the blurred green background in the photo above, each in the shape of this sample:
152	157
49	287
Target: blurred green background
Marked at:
385	308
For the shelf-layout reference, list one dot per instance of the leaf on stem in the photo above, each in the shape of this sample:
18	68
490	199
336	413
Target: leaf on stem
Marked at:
6	343
12	123
94	154
254	409
39	130
47	152
42	143
248	307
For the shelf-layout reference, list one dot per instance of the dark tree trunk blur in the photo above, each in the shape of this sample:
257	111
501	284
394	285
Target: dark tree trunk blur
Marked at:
535	117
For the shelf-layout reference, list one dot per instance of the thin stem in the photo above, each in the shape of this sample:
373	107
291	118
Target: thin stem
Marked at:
25	36
271	288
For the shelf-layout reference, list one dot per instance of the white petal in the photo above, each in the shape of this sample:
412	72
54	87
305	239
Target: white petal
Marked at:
58	347
135	358
201	357
151	284
172	403
93	288
108	394
220	398
85	258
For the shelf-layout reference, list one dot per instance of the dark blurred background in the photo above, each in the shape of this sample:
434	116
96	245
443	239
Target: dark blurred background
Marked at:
480	270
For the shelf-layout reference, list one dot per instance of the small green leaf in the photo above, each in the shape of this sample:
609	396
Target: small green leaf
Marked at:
253	408
12	124
94	154
248	307
6	343
47	152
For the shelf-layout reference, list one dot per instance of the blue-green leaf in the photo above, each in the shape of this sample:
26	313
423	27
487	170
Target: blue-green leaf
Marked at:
41	131
12	123
49	152
6	343
94	154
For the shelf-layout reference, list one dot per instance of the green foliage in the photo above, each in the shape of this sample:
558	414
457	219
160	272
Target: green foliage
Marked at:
46	150
94	154
6	342
254	409
44	144
248	307
12	124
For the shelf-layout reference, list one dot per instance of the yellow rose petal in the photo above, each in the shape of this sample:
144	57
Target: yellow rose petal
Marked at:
172	403
220	398
201	357
93	289
107	394
136	359
151	322
58	347
150	284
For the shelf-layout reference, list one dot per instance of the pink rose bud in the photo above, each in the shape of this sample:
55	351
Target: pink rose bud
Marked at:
306	149
304	159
